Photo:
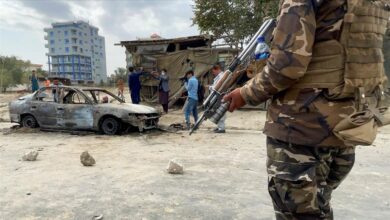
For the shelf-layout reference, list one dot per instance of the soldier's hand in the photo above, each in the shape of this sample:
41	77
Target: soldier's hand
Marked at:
236	100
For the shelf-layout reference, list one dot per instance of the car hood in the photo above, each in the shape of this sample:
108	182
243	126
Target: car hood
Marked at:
26	97
131	108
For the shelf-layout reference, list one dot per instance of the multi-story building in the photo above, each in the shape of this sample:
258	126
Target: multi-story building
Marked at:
76	51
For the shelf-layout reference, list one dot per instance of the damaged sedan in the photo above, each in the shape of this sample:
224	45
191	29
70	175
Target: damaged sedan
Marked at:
72	108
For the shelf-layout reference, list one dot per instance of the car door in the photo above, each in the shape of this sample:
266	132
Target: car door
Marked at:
77	114
44	109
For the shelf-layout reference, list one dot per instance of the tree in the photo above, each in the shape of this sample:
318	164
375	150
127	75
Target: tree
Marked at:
12	71
234	21
119	73
41	73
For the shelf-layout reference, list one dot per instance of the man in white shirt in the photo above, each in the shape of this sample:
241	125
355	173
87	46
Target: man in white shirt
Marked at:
218	74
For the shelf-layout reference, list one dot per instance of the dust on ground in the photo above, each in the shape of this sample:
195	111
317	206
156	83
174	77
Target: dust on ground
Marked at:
224	174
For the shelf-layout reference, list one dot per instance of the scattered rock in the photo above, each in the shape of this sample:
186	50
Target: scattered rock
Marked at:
28	194
31	156
86	159
175	167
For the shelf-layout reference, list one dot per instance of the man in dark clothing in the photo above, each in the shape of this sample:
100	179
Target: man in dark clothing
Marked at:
134	85
163	88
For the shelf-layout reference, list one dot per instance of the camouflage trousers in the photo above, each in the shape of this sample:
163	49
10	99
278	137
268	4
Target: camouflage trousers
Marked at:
301	178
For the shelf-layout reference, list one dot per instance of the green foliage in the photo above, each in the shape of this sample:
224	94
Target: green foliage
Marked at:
119	73
234	21
13	71
41	73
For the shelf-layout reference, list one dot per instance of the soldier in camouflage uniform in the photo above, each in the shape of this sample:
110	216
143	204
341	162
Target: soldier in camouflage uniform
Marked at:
306	161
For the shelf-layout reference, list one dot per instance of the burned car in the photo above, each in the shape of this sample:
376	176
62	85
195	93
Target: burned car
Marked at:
72	108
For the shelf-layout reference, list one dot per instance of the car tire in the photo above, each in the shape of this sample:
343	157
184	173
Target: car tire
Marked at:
110	126
29	121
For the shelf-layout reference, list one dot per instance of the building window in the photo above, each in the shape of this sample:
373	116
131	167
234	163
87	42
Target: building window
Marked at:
67	49
66	33
51	34
53	50
51	41
81	42
66	41
80	34
81	50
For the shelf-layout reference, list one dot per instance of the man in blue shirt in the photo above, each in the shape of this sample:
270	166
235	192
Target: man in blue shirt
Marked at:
191	86
134	85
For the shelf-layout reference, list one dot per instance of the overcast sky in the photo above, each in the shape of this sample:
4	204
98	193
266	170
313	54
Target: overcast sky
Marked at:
22	23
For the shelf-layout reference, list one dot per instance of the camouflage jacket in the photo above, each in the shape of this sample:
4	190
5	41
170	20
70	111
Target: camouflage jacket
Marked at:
302	116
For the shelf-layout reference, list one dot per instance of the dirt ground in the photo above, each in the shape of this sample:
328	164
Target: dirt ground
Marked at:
225	176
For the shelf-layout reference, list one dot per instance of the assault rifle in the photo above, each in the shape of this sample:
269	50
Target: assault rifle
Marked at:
214	107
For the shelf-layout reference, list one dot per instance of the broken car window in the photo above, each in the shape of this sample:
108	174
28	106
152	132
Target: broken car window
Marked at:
49	94
78	99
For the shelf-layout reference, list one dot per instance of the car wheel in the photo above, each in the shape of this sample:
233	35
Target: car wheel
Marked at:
29	121
110	126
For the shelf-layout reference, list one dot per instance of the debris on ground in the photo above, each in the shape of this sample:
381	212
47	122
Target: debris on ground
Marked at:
86	159
31	156
18	129
175	167
179	127
81	133
97	217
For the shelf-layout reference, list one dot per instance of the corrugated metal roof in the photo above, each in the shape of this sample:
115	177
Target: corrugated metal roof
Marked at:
152	41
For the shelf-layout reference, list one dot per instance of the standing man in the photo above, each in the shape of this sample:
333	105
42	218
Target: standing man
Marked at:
313	85
134	85
191	86
47	82
121	87
34	82
163	89
218	74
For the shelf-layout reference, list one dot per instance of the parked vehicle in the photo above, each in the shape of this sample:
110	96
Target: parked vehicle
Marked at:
72	108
